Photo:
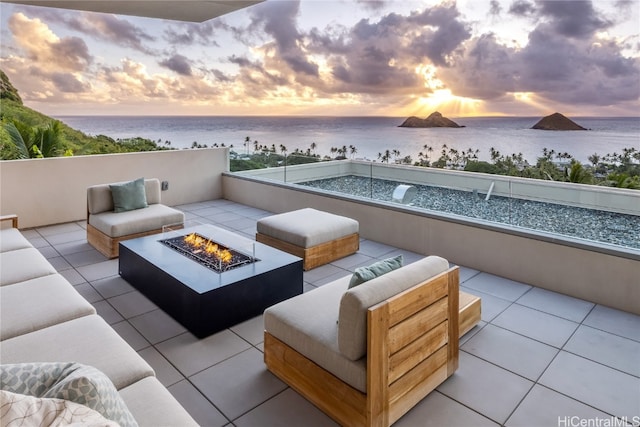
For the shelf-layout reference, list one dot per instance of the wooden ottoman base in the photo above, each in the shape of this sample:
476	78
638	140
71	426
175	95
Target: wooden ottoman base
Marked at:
110	246
470	312
318	255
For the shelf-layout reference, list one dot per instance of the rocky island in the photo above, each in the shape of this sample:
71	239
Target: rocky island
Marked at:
435	120
557	121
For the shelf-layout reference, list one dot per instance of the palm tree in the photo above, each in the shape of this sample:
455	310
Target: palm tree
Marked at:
36	142
578	174
313	147
396	154
343	151
384	158
353	150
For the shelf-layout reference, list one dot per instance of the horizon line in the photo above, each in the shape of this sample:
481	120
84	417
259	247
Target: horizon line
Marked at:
334	116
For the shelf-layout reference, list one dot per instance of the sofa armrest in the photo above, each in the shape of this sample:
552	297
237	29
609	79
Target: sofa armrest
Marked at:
412	345
13	218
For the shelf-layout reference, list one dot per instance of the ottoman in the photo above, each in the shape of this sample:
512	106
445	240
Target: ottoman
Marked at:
315	236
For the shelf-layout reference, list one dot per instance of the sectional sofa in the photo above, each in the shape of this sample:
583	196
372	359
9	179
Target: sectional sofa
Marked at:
44	319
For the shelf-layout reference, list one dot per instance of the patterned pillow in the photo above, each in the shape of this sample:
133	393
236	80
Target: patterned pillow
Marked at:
69	381
18	410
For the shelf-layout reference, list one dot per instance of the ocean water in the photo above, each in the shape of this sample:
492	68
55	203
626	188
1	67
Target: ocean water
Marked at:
371	135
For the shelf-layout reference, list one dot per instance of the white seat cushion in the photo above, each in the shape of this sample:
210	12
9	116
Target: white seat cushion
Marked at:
11	239
308	324
150	218
23	264
307	227
50	300
88	340
165	410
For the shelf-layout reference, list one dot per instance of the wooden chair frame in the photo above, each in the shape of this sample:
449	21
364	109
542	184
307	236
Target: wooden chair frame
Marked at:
12	217
318	255
110	246
412	347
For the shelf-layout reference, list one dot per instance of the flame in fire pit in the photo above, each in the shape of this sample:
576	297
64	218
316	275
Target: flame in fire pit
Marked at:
207	252
200	244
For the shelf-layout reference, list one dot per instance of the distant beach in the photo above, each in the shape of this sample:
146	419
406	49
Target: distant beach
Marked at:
371	135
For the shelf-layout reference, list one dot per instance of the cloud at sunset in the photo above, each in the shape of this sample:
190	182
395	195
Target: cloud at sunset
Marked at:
383	62
42	46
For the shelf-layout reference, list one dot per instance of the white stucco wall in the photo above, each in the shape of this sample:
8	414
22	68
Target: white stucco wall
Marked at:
53	190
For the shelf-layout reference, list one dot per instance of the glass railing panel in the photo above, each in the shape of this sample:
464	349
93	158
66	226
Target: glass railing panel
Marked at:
590	213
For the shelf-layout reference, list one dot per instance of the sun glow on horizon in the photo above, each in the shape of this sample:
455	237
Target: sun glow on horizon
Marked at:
441	99
445	102
530	99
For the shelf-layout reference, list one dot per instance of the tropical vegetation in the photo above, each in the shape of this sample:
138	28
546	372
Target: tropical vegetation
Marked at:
26	133
613	170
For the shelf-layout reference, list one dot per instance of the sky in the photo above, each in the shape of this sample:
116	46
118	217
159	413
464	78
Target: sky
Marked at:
332	58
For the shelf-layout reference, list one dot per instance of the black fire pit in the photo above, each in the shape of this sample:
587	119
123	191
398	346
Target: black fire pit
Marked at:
203	300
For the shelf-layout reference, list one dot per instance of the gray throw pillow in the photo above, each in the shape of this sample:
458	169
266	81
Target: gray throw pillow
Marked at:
377	269
128	196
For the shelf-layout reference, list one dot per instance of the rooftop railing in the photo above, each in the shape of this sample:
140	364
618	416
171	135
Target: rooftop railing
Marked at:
605	217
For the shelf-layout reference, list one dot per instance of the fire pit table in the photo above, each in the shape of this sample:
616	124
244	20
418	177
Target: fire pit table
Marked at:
208	278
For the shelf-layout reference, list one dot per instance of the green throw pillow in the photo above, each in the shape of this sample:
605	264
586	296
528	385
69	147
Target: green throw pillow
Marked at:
128	196
377	269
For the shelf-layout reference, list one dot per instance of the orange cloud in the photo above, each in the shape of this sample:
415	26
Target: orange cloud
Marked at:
42	45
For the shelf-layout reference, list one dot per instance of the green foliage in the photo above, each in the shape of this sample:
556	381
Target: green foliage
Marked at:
42	136
56	138
237	165
7	91
579	174
294	159
623	180
481	166
18	134
35	142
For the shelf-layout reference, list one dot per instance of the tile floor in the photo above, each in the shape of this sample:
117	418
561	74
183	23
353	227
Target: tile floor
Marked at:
537	358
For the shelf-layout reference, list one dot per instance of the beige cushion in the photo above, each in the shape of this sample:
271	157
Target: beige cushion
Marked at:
150	218
99	198
38	303
307	227
21	410
88	340
23	264
308	323
151	404
352	327
11	239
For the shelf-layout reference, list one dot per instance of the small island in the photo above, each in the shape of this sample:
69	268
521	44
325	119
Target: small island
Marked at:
557	121
435	120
